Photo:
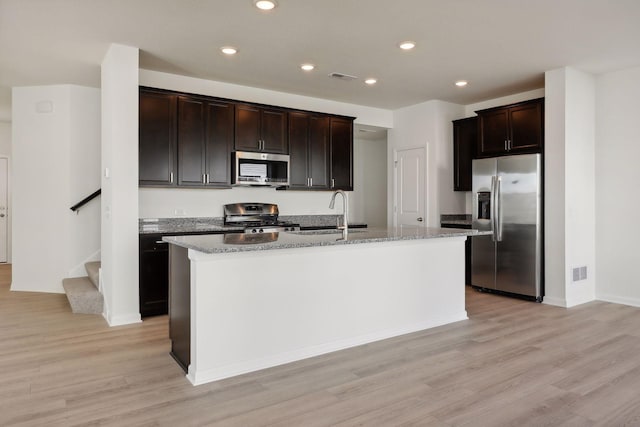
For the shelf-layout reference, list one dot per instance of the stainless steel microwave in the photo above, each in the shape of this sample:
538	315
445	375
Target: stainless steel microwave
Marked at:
264	169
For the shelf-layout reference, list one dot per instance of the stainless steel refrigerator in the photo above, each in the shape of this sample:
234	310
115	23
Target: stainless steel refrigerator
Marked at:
507	200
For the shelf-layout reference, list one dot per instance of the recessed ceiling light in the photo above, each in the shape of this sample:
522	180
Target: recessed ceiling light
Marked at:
229	50
307	67
265	4
407	45
461	83
370	81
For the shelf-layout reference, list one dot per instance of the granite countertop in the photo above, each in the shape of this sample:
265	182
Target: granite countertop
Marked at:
455	219
302	239
216	224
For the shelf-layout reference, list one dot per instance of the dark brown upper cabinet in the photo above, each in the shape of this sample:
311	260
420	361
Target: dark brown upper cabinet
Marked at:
205	137
465	137
309	151
261	129
157	139
511	129
341	133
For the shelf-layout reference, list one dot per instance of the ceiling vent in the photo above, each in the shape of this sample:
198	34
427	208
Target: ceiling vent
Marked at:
341	76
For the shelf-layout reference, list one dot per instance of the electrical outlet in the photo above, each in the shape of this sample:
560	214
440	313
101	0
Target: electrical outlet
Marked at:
180	212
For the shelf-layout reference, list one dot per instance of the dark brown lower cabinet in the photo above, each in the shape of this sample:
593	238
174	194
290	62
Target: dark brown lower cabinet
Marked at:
153	278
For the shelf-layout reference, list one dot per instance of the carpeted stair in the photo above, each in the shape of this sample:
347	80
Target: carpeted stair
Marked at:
82	292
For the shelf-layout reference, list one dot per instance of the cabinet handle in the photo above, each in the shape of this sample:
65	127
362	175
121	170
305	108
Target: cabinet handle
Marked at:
207	178
506	145
510	145
161	242
310	182
204	178
171	177
333	182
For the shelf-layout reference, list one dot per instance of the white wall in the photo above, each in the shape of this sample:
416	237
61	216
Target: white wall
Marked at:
617	179
428	125
120	184
5	151
51	126
569	186
368	201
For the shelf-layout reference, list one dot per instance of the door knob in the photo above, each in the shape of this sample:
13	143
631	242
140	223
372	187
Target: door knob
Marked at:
420	219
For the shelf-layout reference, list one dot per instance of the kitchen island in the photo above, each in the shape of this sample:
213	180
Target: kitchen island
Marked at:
244	302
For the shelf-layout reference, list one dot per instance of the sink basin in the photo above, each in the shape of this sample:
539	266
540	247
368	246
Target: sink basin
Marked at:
329	231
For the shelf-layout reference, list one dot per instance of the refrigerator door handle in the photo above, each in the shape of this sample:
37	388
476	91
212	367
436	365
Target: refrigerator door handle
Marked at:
492	209
498	212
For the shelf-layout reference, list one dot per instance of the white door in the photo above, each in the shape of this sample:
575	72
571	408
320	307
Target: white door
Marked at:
4	211
410	168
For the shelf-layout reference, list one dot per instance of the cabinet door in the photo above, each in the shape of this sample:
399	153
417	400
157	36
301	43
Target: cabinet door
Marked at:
219	140
274	131
526	127
465	135
157	139
248	129
319	152
494	132
191	142
298	149
341	153
154	276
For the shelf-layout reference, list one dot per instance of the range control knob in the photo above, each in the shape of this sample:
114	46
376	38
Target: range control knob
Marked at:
254	230
261	231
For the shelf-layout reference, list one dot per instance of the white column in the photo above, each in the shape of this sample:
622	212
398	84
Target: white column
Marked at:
569	186
120	184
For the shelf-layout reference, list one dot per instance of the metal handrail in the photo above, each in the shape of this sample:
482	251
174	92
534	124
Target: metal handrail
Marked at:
86	200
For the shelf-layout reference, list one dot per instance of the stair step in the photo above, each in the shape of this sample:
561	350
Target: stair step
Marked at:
83	296
93	270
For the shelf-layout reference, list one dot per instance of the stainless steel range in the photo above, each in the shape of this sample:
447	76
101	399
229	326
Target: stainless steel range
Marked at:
256	218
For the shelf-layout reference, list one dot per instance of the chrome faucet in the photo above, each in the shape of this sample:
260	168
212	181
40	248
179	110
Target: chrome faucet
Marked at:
345	211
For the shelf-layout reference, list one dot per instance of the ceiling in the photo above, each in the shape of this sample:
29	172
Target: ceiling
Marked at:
500	46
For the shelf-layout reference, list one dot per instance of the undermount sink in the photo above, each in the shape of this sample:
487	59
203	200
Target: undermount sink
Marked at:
327	231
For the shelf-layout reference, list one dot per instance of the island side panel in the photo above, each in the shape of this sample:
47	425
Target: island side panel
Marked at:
259	309
180	305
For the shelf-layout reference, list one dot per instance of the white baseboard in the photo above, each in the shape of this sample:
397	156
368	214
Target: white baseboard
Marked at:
558	302
209	375
616	299
125	319
79	270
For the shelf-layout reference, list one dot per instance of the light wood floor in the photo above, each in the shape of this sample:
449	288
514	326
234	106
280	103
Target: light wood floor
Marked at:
513	363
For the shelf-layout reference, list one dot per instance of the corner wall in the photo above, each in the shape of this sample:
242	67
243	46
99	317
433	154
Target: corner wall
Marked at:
569	186
120	185
617	178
